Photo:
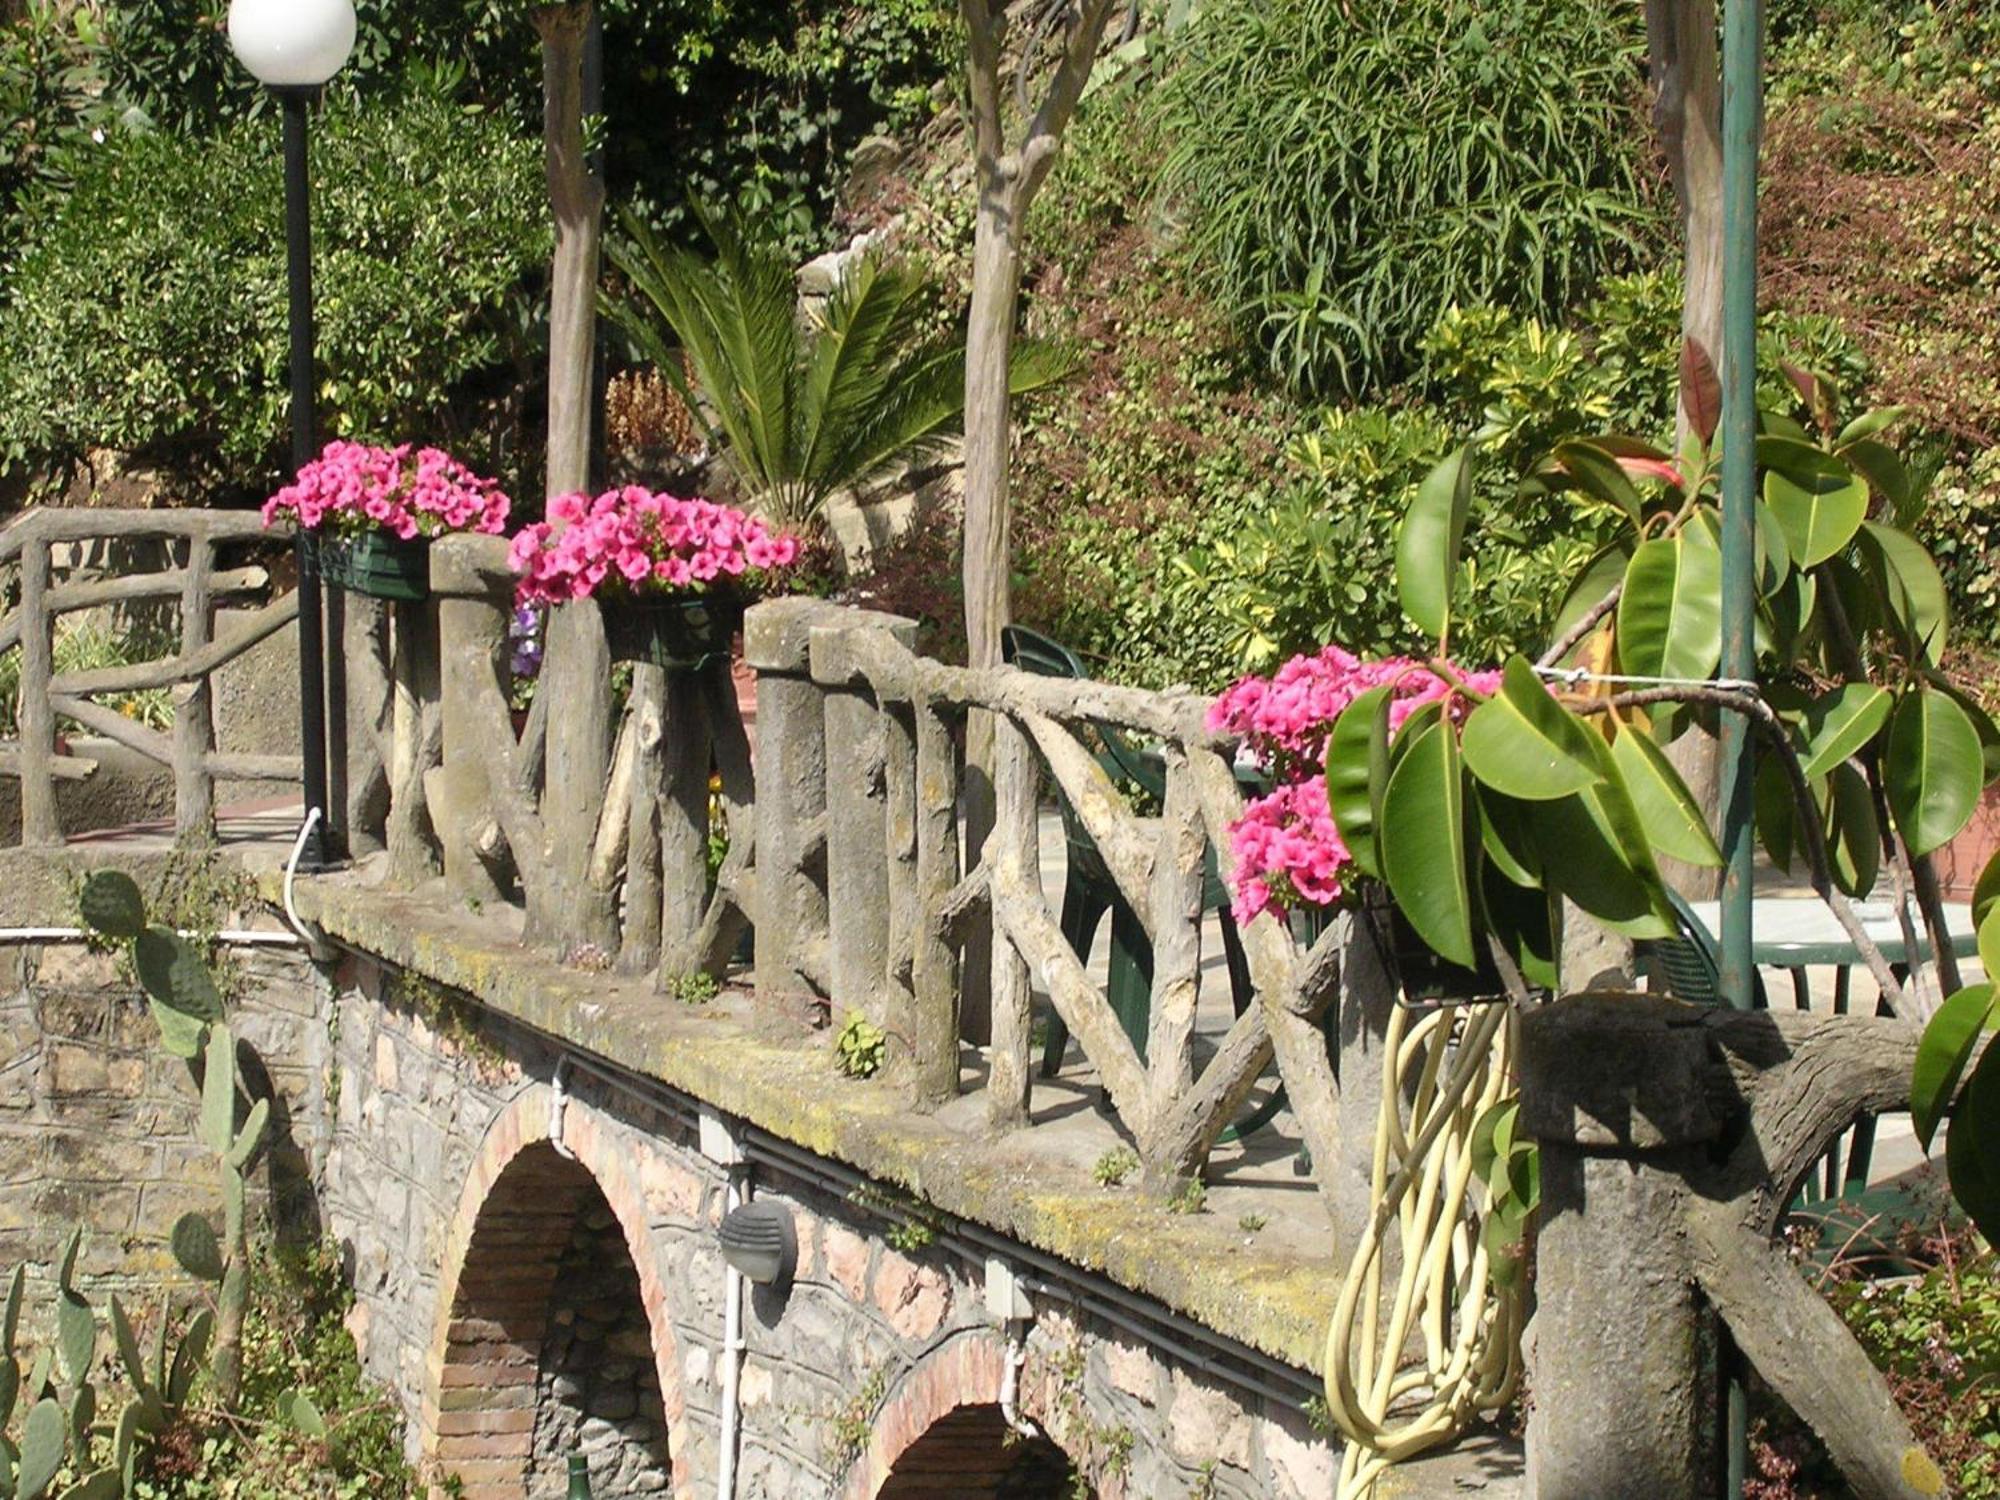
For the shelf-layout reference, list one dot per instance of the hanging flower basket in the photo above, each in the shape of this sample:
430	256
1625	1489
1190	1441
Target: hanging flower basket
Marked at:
678	634
368	515
376	564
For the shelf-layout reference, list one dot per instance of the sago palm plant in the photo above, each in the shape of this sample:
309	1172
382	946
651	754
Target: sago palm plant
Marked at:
806	405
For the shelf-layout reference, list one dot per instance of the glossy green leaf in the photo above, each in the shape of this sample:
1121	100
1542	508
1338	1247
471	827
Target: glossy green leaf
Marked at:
1933	769
1524	922
1506	834
1884	471
1670	618
1840	723
1871	424
1986	890
1853	834
1796	456
1820	514
1423	842
1597	473
1971	1159
1428	546
1525	744
1357	774
1982	721
1666	808
1989	941
1912	586
1776	813
1595	852
1604	572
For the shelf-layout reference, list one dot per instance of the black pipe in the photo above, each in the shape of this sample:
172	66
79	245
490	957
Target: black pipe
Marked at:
323	843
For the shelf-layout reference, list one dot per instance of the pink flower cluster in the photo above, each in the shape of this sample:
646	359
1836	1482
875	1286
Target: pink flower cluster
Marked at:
644	542
355	488
1287	850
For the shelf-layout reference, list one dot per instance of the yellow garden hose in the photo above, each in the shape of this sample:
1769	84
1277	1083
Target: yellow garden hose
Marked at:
1410	1371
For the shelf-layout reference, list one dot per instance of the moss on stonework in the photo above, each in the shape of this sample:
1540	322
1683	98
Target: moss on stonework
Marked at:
1192	1262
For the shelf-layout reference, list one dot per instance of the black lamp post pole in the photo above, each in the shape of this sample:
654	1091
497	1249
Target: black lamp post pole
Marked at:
324	842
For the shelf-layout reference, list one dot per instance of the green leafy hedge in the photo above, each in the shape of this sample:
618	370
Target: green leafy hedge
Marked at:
147	313
1352	171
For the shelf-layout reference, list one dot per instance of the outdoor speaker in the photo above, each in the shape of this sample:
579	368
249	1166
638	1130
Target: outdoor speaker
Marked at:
759	1242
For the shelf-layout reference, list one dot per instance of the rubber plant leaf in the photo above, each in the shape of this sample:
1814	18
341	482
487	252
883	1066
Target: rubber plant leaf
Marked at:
1670	618
1523	743
1432	536
1853	835
1933	769
1840	723
1423	842
1969	1158
1357	774
1819	515
1667	810
1912	586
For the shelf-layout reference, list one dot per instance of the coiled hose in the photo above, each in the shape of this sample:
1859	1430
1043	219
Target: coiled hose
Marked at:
1388	1397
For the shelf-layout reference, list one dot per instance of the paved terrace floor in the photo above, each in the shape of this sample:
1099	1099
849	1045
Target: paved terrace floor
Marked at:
1257	1264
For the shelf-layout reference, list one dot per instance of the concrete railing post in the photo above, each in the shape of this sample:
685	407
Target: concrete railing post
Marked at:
472	649
857	825
1615	1089
791	919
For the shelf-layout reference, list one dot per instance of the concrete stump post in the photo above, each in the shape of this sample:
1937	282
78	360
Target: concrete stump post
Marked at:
1613	1088
471	654
791	918
857	827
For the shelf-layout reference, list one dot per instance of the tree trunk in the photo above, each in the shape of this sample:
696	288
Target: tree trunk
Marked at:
1687	112
578	670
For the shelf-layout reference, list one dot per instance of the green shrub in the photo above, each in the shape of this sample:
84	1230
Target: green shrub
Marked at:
147	313
1351	172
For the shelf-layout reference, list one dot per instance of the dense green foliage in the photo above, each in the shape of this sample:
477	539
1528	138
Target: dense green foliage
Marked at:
1352	172
147	313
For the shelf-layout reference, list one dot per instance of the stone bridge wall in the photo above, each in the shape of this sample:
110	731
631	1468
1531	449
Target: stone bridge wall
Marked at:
522	1304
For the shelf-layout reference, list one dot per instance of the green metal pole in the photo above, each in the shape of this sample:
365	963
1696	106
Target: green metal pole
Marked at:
1742	122
1742	128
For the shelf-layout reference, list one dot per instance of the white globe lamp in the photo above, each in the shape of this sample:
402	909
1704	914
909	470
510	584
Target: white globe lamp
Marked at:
292	43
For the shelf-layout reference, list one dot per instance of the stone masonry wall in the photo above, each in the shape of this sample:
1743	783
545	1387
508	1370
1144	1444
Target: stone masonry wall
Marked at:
442	1186
97	1123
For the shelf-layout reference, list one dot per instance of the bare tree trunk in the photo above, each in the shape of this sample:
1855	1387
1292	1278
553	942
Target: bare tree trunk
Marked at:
577	675
1007	183
1687	112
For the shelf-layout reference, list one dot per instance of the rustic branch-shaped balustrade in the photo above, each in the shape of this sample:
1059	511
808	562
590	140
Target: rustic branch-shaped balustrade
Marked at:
44	545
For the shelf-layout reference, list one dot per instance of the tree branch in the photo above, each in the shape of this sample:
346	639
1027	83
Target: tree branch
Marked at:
1566	642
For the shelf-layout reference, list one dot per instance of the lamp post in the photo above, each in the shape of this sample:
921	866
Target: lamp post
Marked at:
293	47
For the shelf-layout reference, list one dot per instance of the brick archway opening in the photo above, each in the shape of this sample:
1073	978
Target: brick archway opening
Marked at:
548	1348
969	1454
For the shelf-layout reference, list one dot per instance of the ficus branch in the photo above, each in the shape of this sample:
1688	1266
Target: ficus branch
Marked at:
1567	641
1765	718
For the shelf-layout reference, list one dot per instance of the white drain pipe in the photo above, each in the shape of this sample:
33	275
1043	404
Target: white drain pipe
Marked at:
734	1197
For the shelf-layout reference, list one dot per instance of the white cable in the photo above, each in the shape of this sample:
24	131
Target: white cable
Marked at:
292	872
1574	676
1010	1383
235	937
734	1196
558	1108
1388	1405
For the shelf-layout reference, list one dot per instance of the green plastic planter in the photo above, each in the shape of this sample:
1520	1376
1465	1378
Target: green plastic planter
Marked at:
378	565
678	634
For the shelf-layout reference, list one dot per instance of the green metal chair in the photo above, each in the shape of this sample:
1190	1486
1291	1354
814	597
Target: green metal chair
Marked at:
1089	891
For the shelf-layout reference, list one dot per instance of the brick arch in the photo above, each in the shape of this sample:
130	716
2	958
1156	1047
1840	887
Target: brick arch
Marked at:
946	1407
506	1239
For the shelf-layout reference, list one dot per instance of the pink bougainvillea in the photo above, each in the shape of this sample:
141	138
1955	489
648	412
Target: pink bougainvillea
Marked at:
354	488
1287	850
643	542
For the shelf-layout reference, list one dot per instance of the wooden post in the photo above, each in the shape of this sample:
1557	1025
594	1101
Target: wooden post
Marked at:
472	657
639	946
1015	853
39	822
857	826
194	702
934	969
791	810
1178	877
